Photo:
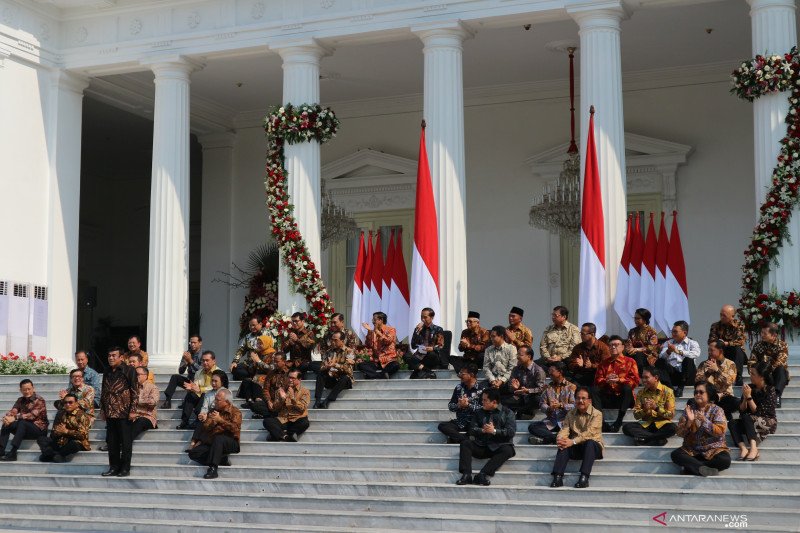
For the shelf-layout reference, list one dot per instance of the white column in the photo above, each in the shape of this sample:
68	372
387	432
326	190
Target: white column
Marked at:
301	86
774	32
444	115
217	326
65	185
168	279
601	86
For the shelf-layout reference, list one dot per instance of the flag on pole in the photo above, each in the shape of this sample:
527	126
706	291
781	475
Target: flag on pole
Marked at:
358	292
621	298
676	296
647	287
377	275
425	255
366	311
661	281
398	314
635	270
386	287
592	280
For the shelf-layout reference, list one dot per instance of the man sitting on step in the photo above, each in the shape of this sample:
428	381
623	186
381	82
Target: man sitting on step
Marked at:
491	432
70	433
26	420
335	373
277	378
676	361
557	400
424	357
195	389
143	416
466	400
381	342
290	410
654	409
499	358
83	392
720	372
220	436
581	437
614	382
522	391
191	363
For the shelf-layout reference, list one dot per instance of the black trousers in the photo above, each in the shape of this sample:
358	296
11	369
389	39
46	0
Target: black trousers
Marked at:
737	355
673	377
539	429
544	363
460	362
604	399
743	430
649	433
175	380
730	405
452	431
429	362
22	429
780	378
50	449
120	445
276	430
212	454
139	426
250	390
192	403
583	377
721	461
586	451
259	407
337	385
519	403
240	372
470	449
374	371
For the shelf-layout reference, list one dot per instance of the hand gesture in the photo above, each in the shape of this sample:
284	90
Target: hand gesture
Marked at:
649	404
254	357
579	361
613	378
8	419
496	384
555	405
62	393
187	357
366	326
463	402
293	336
488	428
418	328
282	394
233	365
629	346
202	417
712	366
670	348
690	414
215	416
746	390
464	345
514	383
563	442
60	428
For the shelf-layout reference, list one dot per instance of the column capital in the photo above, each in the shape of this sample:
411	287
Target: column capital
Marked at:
301	50
172	66
596	14
220	139
447	33
757	5
70	81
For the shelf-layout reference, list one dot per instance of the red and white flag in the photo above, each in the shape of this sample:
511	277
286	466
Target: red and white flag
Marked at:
386	287
367	299
377	275
635	270
623	279
661	279
592	280
398	314
358	292
647	288
676	296
425	258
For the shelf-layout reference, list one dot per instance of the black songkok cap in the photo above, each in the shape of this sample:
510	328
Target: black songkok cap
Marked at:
517	311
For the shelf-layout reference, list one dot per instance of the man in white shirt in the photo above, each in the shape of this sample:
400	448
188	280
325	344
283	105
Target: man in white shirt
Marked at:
499	359
676	361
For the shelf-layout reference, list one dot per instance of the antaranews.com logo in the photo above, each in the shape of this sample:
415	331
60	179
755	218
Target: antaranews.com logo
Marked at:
734	521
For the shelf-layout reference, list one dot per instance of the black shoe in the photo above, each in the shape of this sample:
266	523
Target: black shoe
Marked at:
316	404
558	480
415	375
451	440
225	461
110	472
466	479
166	404
679	392
430	374
615	427
659	442
289	437
533	439
707	471
182	425
124	473
211	473
103	448
606	427
583	482
10	456
58	458
257	416
778	402
481	479
640	441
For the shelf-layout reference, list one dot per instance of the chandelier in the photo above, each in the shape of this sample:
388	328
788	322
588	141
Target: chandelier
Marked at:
337	224
558	208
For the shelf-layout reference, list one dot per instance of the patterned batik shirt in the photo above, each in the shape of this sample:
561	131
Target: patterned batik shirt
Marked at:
558	341
562	393
474	395
664	409
77	424
775	354
734	333
706	436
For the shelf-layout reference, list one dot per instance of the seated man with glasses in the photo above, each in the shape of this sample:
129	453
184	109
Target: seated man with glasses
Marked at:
614	382
290	409
70	433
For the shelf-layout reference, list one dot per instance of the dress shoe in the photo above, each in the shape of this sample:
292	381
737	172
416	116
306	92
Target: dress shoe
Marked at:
558	480
10	456
707	471
316	404
659	442
466	479
123	473
211	473
778	402
225	461
640	441
110	472
430	374
289	438
103	448
323	404
58	458
583	482
533	439
257	416
182	425
481	479
166	404
615	427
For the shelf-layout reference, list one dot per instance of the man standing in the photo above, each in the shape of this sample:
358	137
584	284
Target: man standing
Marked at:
465	401
70	433
195	389
581	437
336	372
500	358
614	382
559	338
290	409
90	375
676	361
135	348
191	362
586	356
557	400
248	344
220	436
381	342
473	343
491	430
424	357
26	420
517	333
775	353
731	332
119	391
721	373
654	409
522	392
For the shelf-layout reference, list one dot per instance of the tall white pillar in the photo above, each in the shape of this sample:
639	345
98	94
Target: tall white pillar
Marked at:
168	278
774	32
66	99
301	86
444	115
218	325
601	86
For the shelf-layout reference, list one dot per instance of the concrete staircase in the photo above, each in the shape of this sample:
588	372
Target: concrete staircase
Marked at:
374	461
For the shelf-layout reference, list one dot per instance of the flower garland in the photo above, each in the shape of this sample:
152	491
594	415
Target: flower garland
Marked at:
755	78
295	124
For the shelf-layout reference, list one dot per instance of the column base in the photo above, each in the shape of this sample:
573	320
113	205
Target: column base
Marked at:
163	363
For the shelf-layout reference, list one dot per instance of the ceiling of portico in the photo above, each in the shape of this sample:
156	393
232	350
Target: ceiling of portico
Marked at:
652	39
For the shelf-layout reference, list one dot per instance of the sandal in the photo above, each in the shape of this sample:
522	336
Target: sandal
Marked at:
753	458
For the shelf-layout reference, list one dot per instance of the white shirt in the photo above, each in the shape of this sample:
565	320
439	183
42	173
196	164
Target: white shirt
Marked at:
686	348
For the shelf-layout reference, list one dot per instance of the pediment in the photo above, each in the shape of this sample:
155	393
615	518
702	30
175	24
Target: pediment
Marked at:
369	167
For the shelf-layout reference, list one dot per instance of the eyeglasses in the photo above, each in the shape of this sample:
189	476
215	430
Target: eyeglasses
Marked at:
700	392
70	402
